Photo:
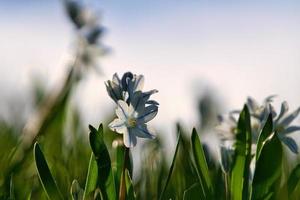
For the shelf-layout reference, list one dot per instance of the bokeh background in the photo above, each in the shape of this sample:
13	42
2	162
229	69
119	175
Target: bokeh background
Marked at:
232	49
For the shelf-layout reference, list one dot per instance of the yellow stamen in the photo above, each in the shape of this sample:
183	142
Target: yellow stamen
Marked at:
131	122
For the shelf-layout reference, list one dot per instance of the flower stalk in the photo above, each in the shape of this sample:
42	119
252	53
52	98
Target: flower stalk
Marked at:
122	191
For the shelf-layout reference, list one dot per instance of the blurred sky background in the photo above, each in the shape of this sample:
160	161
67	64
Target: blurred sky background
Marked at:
231	48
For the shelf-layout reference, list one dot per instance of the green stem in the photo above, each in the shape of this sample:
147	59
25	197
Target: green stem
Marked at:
227	192
122	191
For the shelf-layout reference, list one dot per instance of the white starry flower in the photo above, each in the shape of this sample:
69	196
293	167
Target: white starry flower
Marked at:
131	119
259	113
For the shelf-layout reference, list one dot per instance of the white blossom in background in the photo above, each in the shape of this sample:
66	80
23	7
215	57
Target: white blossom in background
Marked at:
259	113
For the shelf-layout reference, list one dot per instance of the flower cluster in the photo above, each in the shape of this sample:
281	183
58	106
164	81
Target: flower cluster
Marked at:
134	107
86	23
259	113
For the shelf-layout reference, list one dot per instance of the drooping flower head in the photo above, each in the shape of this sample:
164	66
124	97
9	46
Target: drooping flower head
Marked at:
134	107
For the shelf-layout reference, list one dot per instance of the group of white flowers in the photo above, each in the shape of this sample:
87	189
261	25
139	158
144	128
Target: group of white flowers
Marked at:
259	114
134	107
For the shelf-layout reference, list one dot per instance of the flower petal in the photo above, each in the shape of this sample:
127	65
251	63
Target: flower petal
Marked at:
290	118
149	113
112	91
152	102
252	104
146	95
290	129
143	131
269	99
118	125
116	80
122	110
283	110
129	139
138	102
138	82
290	143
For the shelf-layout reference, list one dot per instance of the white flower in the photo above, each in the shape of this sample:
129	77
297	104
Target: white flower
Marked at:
126	87
259	114
132	119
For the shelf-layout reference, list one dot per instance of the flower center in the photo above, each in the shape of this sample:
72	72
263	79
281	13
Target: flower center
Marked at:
131	122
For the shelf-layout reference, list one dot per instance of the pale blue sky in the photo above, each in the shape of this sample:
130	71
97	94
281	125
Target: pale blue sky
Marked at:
238	48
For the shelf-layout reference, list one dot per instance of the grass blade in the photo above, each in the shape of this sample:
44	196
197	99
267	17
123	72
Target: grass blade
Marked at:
242	158
201	165
268	169
130	195
294	179
171	168
105	174
265	133
192	192
91	179
45	175
11	189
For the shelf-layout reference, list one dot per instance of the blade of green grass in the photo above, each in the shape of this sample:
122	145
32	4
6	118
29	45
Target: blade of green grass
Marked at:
45	175
242	158
193	192
105	174
130	195
265	133
11	189
91	179
201	165
294	179
268	169
171	168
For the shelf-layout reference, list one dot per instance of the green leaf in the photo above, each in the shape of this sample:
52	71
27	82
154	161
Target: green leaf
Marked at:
264	134
130	195
29	196
268	169
201	165
11	189
76	191
294	179
171	168
91	179
45	175
242	157
192	192
105	174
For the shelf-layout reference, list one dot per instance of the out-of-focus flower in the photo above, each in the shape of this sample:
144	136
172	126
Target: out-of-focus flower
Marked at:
259	114
89	32
88	54
227	153
132	119
79	14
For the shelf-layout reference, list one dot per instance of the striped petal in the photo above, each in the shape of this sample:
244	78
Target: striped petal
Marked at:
149	113
129	139
143	131
122	110
118	125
